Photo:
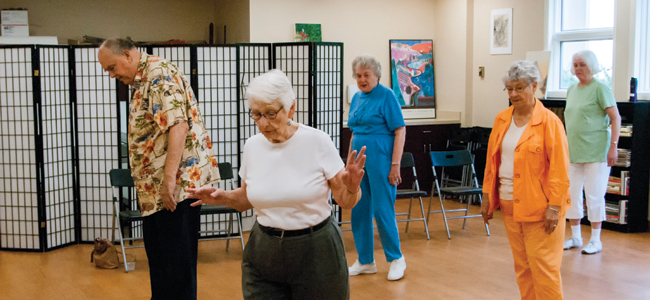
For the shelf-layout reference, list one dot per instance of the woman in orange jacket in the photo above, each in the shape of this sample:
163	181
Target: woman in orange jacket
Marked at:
526	175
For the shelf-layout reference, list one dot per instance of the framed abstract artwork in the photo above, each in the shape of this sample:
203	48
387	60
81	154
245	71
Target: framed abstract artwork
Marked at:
411	67
501	35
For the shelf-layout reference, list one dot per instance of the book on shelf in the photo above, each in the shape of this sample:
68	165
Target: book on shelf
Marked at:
625	183
616	212
614	185
626	130
624	157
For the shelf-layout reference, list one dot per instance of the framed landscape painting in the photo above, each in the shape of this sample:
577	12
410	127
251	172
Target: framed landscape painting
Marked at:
411	66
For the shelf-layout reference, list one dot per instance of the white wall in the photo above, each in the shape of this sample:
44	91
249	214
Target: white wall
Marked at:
527	35
451	57
364	26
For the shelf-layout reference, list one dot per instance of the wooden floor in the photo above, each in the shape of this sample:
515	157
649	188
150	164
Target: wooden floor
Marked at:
469	266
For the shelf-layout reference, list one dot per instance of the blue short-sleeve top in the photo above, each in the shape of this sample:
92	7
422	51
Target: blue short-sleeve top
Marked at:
375	113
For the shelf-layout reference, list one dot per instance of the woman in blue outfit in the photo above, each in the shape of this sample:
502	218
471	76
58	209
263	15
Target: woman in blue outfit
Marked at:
376	122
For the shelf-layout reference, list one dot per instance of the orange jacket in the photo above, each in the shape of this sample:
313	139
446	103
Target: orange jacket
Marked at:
541	166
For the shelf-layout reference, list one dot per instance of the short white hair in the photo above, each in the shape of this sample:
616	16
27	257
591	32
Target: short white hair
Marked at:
366	62
590	59
271	87
522	70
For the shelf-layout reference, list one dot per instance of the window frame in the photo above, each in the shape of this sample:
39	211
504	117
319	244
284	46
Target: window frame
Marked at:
642	46
557	37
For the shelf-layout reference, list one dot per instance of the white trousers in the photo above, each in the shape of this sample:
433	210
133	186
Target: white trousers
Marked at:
593	177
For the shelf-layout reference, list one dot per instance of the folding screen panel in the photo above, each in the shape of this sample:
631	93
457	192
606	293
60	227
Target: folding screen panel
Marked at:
19	220
217	91
97	144
328	96
57	137
294	60
254	60
217	82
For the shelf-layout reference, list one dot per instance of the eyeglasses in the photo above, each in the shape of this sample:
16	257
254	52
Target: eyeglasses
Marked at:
517	89
269	115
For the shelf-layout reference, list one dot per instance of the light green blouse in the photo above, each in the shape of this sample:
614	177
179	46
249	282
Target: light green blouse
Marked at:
587	123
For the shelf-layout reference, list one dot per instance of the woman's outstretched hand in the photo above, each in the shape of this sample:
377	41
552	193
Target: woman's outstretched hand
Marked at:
354	169
206	195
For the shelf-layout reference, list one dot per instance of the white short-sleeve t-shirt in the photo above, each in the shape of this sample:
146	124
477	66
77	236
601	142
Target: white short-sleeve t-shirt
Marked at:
287	182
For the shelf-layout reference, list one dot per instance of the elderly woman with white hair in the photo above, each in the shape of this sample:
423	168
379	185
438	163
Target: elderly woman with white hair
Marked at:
376	122
294	251
590	109
526	175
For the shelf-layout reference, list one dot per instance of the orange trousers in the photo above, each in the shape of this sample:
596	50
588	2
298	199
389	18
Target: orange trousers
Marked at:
537	255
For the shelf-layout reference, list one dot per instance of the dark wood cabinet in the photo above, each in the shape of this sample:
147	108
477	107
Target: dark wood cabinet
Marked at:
420	140
638	115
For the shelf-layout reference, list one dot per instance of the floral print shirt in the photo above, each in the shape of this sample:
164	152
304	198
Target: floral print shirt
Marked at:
162	98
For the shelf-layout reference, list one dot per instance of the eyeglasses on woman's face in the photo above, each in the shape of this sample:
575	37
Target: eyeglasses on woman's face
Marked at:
518	89
268	115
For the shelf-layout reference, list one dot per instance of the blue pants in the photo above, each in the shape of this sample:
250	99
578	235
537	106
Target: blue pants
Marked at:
377	200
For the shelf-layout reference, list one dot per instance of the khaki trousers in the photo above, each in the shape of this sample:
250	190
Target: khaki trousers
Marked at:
537	255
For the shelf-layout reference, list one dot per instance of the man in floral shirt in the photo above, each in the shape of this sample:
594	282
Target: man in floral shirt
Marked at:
169	151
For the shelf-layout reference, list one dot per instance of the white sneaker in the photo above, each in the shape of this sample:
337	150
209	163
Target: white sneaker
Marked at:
572	243
357	268
593	247
397	268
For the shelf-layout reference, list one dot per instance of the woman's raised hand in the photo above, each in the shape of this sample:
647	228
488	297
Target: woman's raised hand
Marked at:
354	169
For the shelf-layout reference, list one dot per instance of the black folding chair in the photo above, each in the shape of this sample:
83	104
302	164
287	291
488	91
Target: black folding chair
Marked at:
125	209
225	172
408	163
459	159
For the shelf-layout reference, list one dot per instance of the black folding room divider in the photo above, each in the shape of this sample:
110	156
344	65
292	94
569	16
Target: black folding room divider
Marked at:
63	127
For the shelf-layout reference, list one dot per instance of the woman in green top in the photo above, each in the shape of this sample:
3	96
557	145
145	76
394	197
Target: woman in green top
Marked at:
590	108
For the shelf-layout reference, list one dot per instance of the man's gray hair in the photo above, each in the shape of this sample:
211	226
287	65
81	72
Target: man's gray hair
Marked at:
118	45
522	70
590	60
366	62
271	87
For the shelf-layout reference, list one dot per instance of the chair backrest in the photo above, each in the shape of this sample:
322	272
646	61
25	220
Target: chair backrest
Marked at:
121	178
451	158
407	160
225	171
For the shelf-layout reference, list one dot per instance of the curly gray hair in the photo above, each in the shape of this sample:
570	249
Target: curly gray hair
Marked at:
522	70
366	62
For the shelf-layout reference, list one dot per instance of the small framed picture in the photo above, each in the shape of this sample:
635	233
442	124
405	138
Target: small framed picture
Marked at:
501	37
